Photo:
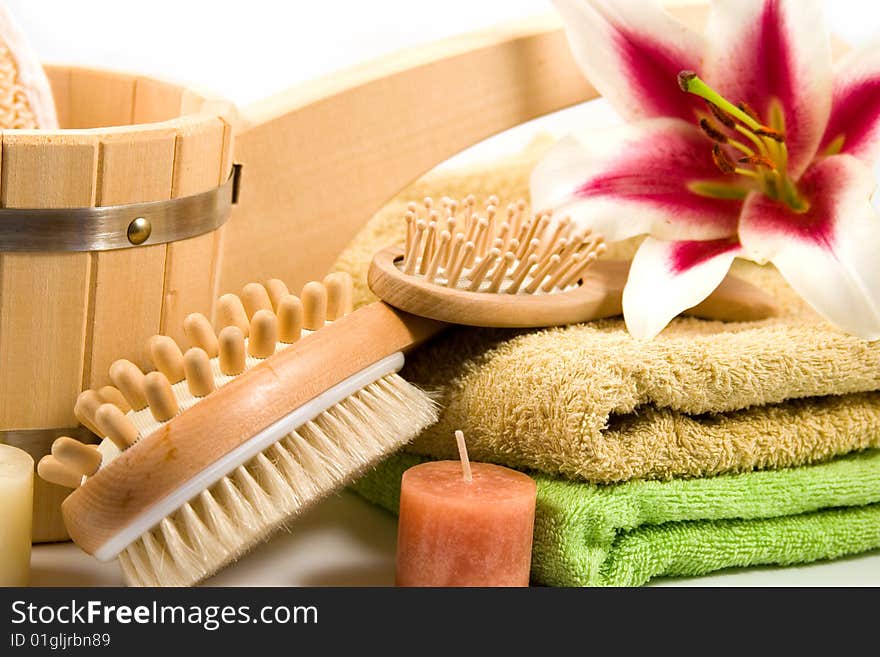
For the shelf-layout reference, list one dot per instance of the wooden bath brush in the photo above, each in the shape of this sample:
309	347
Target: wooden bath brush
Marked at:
506	268
203	458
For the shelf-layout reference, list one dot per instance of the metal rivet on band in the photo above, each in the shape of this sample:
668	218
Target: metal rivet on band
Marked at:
139	231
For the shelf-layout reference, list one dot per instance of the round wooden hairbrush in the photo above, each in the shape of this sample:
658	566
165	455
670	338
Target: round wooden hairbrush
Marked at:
516	270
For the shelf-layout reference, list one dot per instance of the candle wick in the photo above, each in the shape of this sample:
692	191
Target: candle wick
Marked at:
465	461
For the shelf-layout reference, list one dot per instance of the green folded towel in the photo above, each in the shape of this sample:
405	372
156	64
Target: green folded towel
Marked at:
626	534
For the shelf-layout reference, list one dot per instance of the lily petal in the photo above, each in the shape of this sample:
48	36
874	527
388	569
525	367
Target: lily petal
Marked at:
774	53
854	125
828	254
635	179
632	52
667	278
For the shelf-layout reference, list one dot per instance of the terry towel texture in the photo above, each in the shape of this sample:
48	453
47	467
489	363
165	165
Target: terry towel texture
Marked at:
589	402
627	534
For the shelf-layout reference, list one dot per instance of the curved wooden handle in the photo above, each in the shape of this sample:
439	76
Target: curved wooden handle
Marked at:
321	158
734	300
155	467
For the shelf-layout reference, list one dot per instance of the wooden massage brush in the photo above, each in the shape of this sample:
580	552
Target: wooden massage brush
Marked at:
206	456
511	269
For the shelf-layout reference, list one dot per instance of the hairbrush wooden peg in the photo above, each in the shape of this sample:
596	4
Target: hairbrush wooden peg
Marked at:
167	357
129	379
79	457
263	335
314	301
277	290
56	472
232	351
199	377
160	397
339	294
87	403
116	426
231	312
254	297
290	319
200	333
113	396
526	271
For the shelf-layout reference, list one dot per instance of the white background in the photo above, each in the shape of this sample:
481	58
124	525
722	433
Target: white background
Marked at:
246	50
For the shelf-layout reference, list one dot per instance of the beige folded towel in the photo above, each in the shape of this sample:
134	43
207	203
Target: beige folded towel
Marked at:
590	402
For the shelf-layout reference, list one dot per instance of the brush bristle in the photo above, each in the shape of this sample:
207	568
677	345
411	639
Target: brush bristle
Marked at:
457	247
244	508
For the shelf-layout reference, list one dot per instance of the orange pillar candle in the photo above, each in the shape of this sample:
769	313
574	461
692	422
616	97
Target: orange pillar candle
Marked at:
465	524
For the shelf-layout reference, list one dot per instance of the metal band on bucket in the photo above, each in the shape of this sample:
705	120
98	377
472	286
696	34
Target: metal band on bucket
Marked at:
117	226
38	442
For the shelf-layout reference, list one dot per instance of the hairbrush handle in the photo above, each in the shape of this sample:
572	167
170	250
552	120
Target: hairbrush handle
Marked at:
599	295
154	469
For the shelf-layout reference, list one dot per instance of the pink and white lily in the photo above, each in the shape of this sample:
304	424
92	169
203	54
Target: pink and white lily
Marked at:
743	143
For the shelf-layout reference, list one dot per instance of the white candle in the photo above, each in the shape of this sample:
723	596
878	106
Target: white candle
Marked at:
16	510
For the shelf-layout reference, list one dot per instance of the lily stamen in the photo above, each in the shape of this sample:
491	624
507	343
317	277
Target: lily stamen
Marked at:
723	118
758	161
722	160
767	164
726	165
714	133
761	144
770	133
745	107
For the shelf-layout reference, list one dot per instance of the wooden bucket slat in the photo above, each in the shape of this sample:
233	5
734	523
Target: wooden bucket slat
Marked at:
198	164
44	306
156	100
44	301
127	287
59	80
100	98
